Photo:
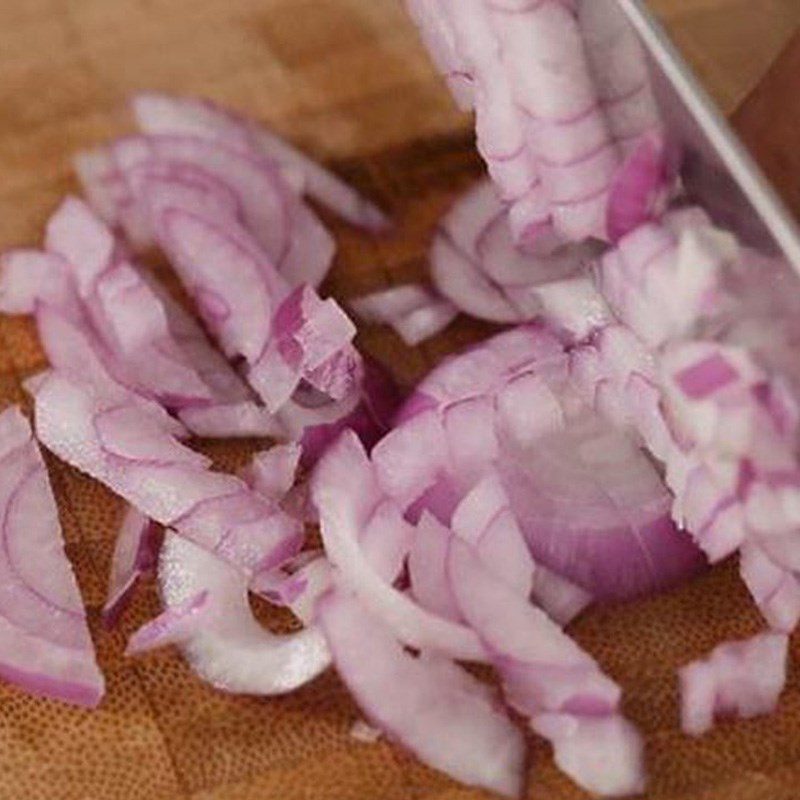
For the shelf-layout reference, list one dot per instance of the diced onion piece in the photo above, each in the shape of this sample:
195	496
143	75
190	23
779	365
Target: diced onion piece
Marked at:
741	678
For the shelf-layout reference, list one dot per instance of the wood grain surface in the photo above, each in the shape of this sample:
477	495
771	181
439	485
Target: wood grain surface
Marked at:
349	81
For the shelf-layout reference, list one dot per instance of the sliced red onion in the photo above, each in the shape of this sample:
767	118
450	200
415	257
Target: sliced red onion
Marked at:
119	445
475	265
499	125
123	308
591	505
161	114
230	649
45	646
565	127
135	554
712	393
741	678
266	205
443	715
415	312
175	626
285	336
347	494
310	340
544	673
140	336
427	563
74	352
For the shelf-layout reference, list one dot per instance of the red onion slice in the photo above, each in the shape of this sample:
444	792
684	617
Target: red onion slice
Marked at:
477	267
159	114
135	553
435	709
547	677
427	568
228	647
123	308
45	646
344	513
565	126
415	312
127	327
285	337
174	626
738	678
74	352
165	481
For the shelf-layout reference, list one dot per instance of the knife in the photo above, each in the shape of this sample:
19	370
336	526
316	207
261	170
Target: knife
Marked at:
718	171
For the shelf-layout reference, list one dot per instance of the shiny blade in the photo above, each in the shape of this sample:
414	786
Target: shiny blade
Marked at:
719	173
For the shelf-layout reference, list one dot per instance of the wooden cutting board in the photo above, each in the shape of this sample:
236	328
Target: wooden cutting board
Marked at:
347	79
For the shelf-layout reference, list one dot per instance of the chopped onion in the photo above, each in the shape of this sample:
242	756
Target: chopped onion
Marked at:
117	444
45	646
158	114
548	678
591	505
233	185
740	678
346	494
415	312
228	647
135	554
475	265
175	625
435	709
638	190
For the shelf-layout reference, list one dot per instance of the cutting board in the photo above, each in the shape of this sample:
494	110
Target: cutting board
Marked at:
348	80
